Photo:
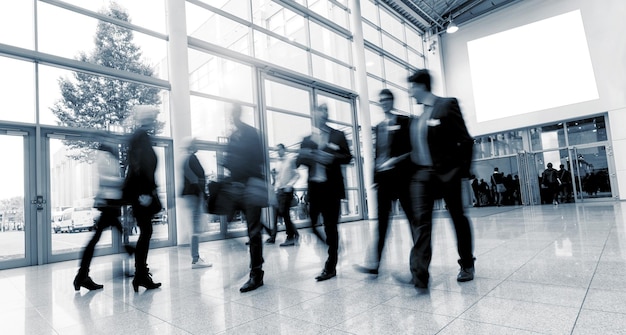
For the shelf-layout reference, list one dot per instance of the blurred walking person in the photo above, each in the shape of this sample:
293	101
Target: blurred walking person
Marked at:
323	152
108	201
286	177
245	159
442	152
392	172
140	190
194	195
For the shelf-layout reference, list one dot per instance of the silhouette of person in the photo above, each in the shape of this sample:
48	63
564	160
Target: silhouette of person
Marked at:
244	159
194	195
550	180
286	177
323	152
140	191
392	171
108	201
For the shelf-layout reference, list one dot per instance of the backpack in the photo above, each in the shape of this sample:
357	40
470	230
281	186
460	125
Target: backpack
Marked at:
550	176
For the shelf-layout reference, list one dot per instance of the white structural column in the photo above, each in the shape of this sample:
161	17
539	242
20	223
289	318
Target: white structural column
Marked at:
180	113
364	109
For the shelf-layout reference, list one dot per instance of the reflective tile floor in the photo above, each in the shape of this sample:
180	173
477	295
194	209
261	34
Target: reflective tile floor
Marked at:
539	270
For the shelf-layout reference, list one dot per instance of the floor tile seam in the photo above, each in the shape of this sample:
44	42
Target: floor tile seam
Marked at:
606	241
488	323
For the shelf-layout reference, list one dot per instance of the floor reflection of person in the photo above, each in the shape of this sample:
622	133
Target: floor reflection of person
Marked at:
323	152
140	190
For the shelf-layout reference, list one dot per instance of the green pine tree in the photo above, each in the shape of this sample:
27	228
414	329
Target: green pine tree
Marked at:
98	102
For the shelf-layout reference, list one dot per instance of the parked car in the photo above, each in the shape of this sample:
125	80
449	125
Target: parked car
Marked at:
78	219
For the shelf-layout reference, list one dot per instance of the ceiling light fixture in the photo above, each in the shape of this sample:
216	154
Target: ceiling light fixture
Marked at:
452	28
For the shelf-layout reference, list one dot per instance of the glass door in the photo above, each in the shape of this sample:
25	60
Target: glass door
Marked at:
590	173
18	214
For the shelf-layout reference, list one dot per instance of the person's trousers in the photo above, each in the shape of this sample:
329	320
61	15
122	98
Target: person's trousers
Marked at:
321	203
426	187
144	222
109	217
195	205
388	191
255	226
283	207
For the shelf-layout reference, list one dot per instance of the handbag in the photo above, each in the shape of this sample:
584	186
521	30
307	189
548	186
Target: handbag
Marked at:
256	193
223	195
294	201
155	205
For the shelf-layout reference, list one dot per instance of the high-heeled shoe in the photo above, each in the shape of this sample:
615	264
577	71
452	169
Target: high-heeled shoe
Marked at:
86	282
144	280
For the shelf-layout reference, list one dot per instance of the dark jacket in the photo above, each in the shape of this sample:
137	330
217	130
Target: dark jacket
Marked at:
338	147
244	154
195	179
399	143
451	146
142	163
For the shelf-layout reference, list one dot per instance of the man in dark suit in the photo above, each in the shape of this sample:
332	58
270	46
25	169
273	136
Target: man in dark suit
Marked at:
442	152
323	152
245	160
392	171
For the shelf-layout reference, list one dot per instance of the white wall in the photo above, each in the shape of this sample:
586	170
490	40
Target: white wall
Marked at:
604	27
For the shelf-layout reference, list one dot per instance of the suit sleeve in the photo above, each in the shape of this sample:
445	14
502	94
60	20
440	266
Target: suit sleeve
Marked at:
342	155
464	142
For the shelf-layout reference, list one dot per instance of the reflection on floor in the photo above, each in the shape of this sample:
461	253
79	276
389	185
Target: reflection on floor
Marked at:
543	269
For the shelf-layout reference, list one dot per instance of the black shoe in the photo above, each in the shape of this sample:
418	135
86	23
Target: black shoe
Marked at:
86	282
364	269
144	280
289	242
253	283
326	275
270	240
466	273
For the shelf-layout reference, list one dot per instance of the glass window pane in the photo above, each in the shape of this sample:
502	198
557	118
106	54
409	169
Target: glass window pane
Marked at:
586	131
12	204
219	76
415	59
414	39
392	46
330	43
239	8
338	110
286	129
547	137
482	147
328	10
17	90
331	72
277	52
210	27
145	13
373	62
401	101
125	44
396	74
374	87
17	18
391	24
371	34
100	103
280	20
210	119
287	97
369	11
